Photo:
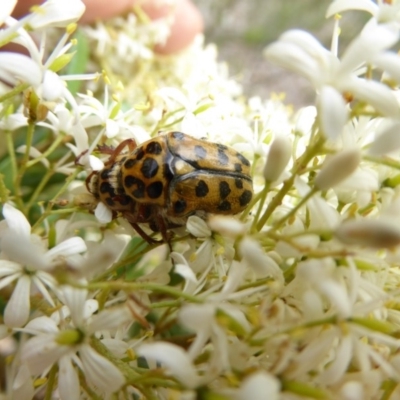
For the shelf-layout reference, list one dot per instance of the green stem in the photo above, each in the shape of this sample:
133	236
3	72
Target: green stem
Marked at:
303	327
388	388
51	202
293	211
389	162
134	286
12	93
298	168
11	153
39	188
51	382
53	146
23	167
263	196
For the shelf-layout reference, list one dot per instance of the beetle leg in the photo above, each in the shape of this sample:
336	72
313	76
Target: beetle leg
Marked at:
167	236
130	143
77	159
144	235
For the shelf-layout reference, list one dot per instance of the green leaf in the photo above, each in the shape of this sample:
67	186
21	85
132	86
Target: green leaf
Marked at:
78	64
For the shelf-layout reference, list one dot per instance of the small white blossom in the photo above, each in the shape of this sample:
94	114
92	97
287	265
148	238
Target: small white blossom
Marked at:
338	168
64	339
25	260
277	159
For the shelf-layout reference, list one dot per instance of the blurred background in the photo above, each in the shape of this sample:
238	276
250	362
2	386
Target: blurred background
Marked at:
242	29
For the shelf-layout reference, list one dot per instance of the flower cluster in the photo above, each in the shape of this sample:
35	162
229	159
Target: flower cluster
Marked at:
296	297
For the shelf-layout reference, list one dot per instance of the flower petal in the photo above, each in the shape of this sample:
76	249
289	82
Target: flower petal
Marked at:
388	141
16	221
41	324
16	67
103	213
22	385
69	247
54	13
68	381
339	6
17	310
22	250
174	358
376	94
6	9
41	352
75	299
99	371
390	63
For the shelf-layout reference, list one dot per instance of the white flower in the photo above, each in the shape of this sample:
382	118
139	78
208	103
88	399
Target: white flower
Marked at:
332	78
24	259
64	339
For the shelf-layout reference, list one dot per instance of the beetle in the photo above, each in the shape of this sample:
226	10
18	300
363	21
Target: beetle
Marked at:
170	177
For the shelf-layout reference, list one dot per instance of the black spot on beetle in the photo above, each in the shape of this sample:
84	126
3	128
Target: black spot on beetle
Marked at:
105	187
149	168
245	197
130	163
178	135
224	206
153	148
243	159
238	183
139	153
238	167
122	160
130	181
155	189
200	152
105	173
168	174
201	189
139	191
222	157
222	146
180	206
224	189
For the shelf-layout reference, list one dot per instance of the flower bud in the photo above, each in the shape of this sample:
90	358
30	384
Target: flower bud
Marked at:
277	159
226	226
332	112
372	233
337	169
